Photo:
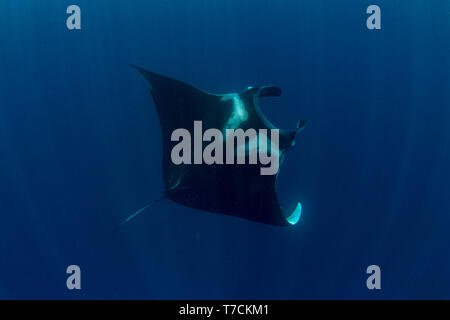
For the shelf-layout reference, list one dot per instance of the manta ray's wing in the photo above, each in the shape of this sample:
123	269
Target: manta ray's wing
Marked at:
232	189
178	105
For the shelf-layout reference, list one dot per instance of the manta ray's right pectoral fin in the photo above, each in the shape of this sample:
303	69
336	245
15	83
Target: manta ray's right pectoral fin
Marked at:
295	216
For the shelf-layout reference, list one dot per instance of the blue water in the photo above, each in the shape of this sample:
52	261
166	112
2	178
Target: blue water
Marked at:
80	149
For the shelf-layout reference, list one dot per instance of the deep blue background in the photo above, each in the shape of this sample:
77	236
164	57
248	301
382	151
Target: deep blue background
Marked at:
80	148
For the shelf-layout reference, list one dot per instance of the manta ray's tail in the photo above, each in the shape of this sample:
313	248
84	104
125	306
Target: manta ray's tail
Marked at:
151	204
165	195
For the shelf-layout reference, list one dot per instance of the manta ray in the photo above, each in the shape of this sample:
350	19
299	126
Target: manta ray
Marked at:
232	189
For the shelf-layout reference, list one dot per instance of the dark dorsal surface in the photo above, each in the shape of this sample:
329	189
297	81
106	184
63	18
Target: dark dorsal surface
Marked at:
233	189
